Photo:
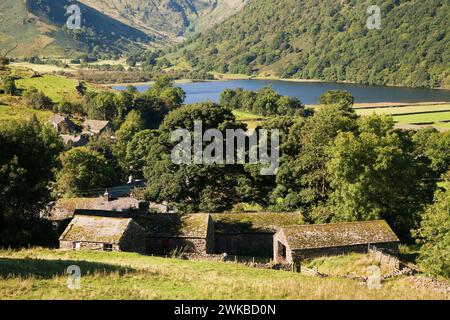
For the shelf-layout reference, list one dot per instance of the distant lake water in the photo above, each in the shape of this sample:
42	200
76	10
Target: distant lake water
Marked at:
308	92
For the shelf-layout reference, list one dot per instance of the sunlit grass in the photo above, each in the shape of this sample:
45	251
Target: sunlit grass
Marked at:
40	274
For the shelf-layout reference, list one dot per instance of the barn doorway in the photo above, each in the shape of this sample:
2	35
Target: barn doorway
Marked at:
281	250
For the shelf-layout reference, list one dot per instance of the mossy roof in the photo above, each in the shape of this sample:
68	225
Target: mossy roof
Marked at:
338	234
173	225
95	229
235	223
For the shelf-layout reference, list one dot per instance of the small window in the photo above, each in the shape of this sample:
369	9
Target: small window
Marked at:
107	247
77	246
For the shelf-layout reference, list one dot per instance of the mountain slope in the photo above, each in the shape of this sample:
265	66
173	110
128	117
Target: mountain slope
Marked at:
168	17
39	28
329	40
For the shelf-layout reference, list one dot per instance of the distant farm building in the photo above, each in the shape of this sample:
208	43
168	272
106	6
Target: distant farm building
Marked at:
103	234
62	124
296	243
66	208
97	127
193	233
250	234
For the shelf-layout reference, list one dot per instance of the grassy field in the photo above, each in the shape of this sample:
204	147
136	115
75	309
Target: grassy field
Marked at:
414	114
55	87
17	113
423	117
40	274
403	110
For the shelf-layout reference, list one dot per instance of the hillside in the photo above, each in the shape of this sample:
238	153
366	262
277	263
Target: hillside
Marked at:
40	274
170	18
329	40
39	28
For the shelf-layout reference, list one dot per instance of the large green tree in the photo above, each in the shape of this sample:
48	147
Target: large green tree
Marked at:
303	180
374	175
28	159
434	235
84	170
192	187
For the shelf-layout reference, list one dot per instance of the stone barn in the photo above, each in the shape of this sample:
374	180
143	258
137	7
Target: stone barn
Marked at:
250	234
296	243
193	233
103	234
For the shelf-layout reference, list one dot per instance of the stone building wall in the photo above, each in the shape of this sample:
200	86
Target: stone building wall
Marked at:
245	244
298	255
93	246
133	239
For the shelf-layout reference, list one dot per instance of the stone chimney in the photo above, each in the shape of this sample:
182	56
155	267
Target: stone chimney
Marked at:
106	196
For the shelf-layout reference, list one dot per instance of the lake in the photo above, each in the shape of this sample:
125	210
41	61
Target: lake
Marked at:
309	92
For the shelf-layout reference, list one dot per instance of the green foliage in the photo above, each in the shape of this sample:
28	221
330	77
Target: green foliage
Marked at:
84	169
435	147
265	102
374	175
329	40
337	96
434	234
164	88
9	86
303	180
192	188
36	99
139	148
27	161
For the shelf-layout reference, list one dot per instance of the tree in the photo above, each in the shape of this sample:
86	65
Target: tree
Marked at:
83	170
192	188
303	180
164	89
9	85
37	99
434	234
337	96
28	161
138	149
101	105
374	175
435	147
152	109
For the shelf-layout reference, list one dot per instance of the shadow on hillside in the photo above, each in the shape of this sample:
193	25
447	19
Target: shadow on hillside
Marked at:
47	269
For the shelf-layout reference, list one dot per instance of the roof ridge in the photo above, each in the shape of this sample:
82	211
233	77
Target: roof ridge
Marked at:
331	223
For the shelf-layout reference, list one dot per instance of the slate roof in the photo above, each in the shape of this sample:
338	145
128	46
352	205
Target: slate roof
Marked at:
65	208
264	222
56	119
95	126
338	234
172	225
95	229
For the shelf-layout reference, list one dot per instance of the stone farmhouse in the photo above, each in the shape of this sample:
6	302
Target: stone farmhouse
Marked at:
103	234
296	243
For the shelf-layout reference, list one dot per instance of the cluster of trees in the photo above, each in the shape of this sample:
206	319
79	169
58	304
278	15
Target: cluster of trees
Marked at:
265	102
330	41
334	166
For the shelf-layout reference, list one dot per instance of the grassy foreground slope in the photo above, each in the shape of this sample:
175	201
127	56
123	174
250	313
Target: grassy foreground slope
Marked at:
329	40
40	274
